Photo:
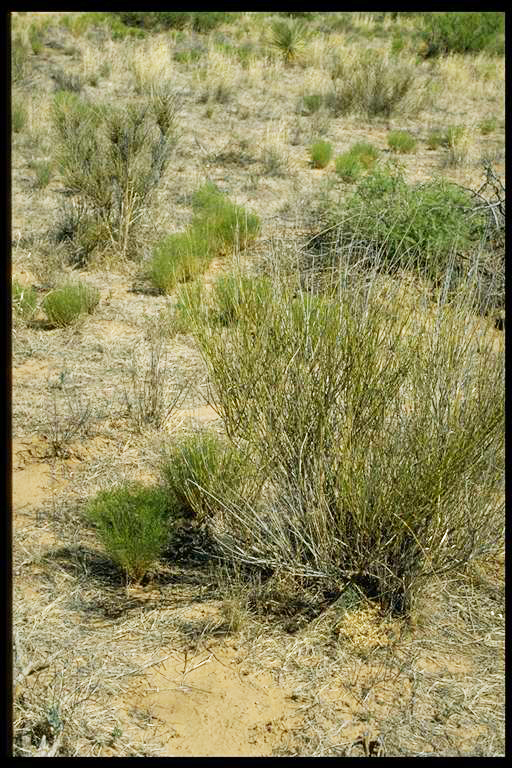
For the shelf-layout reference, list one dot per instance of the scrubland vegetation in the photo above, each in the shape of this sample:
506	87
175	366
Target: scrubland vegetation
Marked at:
258	302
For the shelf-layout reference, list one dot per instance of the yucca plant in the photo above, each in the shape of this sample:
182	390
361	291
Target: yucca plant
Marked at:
289	36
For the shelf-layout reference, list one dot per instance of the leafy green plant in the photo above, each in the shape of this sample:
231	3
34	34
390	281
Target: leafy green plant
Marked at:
462	32
321	154
133	524
201	471
24	300
426	222
401	141
66	304
289	36
112	159
378	427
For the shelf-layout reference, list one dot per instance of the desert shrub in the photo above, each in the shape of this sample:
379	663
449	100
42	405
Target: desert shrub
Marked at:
378	426
373	84
200	21
149	396
348	167
201	471
42	172
233	290
19	114
288	37
217	225
427	222
66	304
361	156
67	81
220	220
311	102
112	159
20	57
321	153
188	299
488	125
462	32
401	141
24	300
133	524
178	258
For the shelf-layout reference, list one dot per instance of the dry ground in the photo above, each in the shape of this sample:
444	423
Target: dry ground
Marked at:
190	664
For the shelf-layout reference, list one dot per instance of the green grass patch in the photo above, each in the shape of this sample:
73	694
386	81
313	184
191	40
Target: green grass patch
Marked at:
24	300
360	157
462	32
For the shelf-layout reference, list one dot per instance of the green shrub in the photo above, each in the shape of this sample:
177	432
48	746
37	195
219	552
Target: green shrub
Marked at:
189	299
374	84
312	102
401	141
43	173
24	300
321	154
133	524
426	222
178	258
379	429
462	32
231	291
221	221
200	472
488	125
216	227
19	114
349	167
113	158
361	156
66	304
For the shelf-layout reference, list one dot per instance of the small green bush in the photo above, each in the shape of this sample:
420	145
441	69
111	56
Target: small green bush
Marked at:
321	154
200	21
312	102
133	524
426	222
462	32
348	167
19	114
178	258
24	300
221	221
401	141
43	173
232	291
67	303
200	471
361	155
216	226
488	125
